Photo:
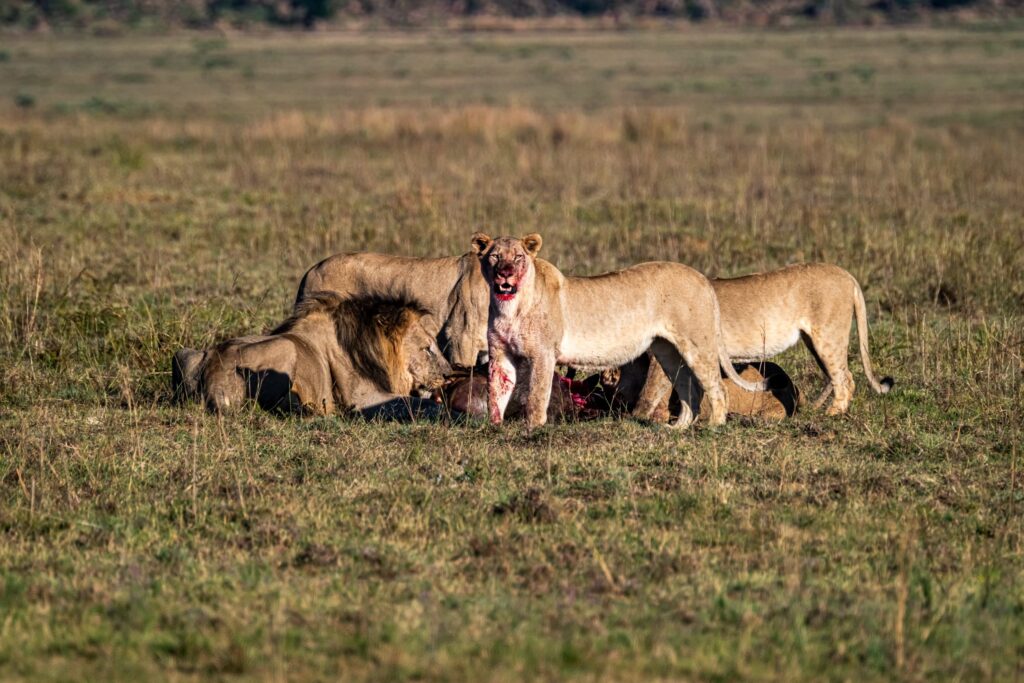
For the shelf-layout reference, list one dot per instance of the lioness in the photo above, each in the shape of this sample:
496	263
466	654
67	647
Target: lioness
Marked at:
539	317
766	313
451	290
778	401
331	353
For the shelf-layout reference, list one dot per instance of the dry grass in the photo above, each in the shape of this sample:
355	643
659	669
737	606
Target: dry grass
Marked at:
180	205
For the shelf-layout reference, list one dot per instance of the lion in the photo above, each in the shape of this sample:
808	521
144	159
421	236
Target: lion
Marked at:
333	354
766	313
539	317
625	388
451	290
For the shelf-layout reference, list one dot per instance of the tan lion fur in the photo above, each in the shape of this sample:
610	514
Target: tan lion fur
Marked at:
766	313
539	317
780	399
331	354
450	289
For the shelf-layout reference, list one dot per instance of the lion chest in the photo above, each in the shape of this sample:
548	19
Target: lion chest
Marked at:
517	336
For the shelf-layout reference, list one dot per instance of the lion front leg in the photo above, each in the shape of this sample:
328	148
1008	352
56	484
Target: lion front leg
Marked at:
501	380
542	370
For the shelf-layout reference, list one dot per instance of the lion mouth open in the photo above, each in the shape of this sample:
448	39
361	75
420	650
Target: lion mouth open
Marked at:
505	291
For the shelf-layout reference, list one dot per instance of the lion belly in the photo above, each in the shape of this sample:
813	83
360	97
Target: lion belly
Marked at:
760	345
608	337
596	350
612	319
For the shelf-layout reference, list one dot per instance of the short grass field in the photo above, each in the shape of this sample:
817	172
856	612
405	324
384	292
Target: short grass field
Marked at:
157	192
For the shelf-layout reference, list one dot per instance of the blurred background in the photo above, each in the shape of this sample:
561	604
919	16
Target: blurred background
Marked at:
112	16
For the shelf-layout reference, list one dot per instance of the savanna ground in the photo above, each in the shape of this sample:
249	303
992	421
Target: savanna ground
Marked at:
160	192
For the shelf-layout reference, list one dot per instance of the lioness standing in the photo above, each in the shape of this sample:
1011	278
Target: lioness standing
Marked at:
539	317
766	313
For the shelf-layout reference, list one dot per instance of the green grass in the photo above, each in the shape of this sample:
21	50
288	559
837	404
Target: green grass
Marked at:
160	192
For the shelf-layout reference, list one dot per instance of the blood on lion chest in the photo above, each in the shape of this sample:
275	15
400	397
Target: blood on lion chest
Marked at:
508	339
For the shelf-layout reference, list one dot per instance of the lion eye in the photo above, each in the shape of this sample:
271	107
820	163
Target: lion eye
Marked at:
519	258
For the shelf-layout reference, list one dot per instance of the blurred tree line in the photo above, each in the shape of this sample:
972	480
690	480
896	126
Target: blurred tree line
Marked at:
99	15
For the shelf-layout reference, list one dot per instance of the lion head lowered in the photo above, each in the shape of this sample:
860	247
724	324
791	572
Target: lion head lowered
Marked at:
331	354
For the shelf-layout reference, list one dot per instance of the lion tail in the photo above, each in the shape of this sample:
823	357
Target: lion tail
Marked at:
860	309
301	293
726	362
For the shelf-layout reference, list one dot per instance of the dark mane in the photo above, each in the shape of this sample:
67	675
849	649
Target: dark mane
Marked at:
369	328
313	302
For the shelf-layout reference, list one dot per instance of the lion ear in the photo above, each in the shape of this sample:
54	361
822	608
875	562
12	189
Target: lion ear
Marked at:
480	243
532	242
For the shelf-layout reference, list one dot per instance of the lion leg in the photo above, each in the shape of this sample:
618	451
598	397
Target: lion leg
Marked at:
501	380
702	363
710	377
185	370
827	389
690	392
823	396
843	393
542	369
829	348
655	392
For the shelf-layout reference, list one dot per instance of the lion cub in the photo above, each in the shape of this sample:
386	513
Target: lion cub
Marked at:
539	317
766	313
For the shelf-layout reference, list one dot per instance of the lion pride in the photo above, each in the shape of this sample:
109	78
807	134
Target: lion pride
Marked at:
539	317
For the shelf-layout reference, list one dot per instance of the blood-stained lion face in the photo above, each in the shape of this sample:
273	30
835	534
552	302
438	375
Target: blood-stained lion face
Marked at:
506	262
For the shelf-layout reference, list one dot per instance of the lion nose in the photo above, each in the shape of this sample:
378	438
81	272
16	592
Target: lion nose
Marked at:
506	270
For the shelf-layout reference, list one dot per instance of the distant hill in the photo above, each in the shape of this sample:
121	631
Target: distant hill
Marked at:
115	15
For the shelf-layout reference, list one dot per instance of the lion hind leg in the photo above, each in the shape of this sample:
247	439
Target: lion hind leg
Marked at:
704	363
823	396
831	358
689	385
827	390
843	393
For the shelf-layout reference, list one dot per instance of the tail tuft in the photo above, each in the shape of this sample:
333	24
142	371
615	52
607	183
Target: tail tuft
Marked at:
887	384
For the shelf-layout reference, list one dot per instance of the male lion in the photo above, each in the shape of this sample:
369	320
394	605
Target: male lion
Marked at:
450	289
539	317
766	313
332	353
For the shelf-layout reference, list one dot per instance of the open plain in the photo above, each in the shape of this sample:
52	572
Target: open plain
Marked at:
157	192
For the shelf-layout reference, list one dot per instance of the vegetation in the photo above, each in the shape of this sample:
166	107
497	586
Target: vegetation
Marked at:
106	18
156	193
